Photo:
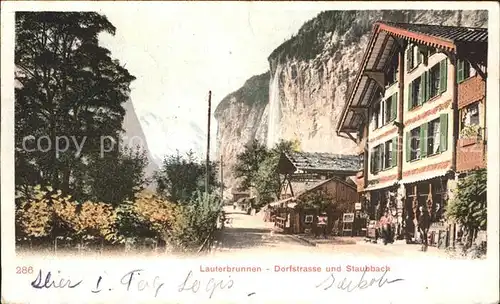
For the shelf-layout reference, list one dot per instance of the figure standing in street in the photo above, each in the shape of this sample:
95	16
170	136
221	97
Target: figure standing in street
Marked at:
385	226
424	222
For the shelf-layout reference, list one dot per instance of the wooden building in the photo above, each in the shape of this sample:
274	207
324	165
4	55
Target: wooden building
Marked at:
417	111
314	183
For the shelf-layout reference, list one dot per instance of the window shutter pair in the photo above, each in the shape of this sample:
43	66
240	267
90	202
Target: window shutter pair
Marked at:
443	75
394	152
443	132
394	106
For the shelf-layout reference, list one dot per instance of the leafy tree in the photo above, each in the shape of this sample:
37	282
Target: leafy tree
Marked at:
468	206
258	167
67	85
181	176
122	172
248	163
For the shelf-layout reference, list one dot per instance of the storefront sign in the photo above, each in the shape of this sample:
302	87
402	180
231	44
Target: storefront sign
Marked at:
357	206
322	220
348	218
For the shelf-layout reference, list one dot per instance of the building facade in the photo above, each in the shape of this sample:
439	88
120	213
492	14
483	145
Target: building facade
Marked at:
417	111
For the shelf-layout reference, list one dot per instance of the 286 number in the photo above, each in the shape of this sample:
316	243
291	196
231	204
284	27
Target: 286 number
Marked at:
24	270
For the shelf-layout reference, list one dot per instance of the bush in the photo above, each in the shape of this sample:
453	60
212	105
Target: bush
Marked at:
195	223
47	214
186	226
468	207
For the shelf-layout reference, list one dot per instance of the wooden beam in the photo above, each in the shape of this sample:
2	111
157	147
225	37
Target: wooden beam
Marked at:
377	76
476	67
351	137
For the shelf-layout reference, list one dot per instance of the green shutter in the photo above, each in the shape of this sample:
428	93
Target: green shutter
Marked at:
410	88
408	146
394	106
394	151
460	71
408	58
419	56
427	86
423	140
443	75
372	161
443	132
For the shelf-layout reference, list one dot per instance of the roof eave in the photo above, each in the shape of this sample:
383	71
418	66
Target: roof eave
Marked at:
417	37
369	47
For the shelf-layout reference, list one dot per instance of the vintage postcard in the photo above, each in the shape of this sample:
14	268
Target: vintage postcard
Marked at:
249	152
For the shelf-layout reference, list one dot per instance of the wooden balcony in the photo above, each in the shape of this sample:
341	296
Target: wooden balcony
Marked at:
470	154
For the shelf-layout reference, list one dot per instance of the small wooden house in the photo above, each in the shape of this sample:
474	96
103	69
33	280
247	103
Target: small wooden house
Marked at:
314	184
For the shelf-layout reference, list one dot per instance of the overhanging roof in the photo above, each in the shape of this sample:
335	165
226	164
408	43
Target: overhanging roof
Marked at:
320	162
381	48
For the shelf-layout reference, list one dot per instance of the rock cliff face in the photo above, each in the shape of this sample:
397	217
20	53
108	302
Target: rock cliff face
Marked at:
241	117
308	82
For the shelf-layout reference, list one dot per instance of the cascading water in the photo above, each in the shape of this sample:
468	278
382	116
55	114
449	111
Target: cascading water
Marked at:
274	114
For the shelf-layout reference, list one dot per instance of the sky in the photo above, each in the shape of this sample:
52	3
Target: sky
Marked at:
181	51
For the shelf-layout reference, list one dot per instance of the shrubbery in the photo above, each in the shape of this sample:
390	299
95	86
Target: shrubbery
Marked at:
46	215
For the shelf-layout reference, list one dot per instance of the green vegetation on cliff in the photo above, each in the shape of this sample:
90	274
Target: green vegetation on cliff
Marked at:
255	91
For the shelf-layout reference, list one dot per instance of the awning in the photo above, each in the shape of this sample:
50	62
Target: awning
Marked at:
423	176
380	186
409	180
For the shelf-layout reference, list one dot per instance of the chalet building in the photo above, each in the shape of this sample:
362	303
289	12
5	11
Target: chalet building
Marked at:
312	179
417	111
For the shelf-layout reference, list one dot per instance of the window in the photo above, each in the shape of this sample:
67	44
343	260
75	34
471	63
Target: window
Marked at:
384	156
463	70
376	123
432	83
415	93
413	57
470	116
428	139
410	64
392	75
391	107
432	51
433	137
434	80
380	114
415	143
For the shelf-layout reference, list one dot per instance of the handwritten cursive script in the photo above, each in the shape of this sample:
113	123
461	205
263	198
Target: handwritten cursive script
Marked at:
350	285
132	281
47	281
211	286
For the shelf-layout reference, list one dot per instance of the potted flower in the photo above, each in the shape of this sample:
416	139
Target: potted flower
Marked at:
470	135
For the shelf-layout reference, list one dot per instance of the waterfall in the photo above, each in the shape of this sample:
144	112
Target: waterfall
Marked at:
274	114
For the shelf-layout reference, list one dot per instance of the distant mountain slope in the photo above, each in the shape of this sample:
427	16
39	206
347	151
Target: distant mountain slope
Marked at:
134	135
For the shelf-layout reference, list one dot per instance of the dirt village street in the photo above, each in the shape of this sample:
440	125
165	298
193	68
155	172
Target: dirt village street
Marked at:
250	234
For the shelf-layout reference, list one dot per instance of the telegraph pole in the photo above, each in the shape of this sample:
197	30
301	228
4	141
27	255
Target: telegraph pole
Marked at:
207	165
